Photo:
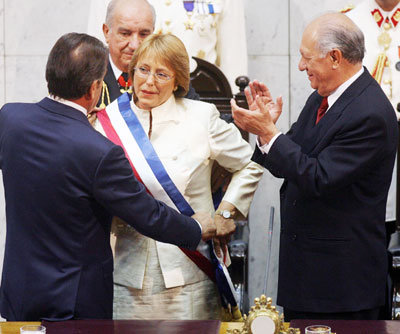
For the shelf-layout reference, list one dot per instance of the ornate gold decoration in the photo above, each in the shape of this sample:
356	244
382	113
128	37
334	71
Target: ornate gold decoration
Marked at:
384	40
167	23
104	94
128	90
201	54
189	24
262	315
378	17
347	8
167	2
382	61
379	67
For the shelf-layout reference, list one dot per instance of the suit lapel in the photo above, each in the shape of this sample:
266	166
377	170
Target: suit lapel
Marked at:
112	84
303	131
310	134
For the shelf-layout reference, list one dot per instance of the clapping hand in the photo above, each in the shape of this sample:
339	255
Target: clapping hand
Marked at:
257	88
262	114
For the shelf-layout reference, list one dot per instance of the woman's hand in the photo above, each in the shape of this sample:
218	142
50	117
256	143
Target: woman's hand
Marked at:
225	227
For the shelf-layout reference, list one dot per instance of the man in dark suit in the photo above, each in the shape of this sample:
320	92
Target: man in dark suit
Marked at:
337	169
63	183
128	23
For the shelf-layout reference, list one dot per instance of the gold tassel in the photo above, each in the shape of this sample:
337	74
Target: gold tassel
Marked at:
380	64
104	93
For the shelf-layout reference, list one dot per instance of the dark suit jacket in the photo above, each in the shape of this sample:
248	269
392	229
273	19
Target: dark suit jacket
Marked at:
63	183
337	175
114	90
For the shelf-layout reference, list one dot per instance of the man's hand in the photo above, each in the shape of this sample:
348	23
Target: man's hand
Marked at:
262	115
207	224
225	228
257	88
92	115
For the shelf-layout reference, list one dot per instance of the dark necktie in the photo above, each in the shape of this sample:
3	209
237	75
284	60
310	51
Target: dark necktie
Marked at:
322	109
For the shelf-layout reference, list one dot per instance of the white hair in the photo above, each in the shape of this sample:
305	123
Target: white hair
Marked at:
113	4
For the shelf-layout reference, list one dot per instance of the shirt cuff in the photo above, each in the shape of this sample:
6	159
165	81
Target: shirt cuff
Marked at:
266	147
201	228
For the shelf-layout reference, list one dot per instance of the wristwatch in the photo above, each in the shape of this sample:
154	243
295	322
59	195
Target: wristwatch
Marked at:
225	213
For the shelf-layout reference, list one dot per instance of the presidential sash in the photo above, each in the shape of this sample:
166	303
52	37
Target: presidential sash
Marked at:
122	127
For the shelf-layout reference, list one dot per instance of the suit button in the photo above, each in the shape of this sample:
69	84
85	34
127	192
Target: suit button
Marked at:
294	203
294	237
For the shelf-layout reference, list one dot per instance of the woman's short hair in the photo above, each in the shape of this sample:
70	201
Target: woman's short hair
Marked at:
169	49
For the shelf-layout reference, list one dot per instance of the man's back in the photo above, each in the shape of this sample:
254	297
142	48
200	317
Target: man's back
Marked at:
49	159
63	182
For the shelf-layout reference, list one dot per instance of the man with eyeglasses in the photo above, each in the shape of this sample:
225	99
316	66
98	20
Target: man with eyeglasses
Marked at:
128	23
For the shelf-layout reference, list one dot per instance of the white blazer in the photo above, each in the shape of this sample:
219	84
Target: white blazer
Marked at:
188	137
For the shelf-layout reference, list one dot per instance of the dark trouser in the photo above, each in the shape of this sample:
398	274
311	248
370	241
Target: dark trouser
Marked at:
390	227
372	314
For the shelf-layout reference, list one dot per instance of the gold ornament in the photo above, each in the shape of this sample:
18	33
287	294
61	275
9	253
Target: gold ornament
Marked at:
189	24
264	318
104	94
347	8
384	38
377	16
201	54
167	22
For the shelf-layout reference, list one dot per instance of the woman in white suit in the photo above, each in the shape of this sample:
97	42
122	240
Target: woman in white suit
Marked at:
154	280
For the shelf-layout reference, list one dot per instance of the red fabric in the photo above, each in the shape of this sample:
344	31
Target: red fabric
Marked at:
113	136
322	109
122	81
396	17
376	13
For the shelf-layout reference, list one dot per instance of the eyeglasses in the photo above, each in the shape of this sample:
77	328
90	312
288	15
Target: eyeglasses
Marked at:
158	76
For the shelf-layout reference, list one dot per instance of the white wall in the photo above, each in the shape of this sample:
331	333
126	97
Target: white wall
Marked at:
28	29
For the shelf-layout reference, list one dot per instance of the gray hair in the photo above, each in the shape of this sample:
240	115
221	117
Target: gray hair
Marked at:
113	3
348	38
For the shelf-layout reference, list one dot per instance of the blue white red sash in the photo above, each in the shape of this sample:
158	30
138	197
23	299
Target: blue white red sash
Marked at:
122	127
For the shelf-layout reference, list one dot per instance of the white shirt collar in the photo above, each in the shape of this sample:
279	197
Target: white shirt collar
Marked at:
69	104
116	70
165	112
340	90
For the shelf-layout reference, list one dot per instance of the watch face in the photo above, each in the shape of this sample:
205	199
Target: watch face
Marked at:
226	214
